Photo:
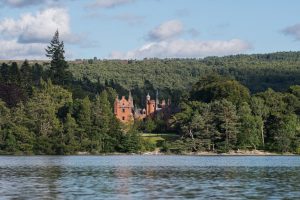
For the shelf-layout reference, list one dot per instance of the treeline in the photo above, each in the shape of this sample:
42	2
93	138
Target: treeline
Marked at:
219	114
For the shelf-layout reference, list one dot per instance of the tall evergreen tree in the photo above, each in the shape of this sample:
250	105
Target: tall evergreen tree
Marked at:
58	64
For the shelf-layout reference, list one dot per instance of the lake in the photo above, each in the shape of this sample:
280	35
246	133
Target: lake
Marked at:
149	177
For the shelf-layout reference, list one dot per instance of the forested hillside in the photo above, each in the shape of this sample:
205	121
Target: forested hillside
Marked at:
258	72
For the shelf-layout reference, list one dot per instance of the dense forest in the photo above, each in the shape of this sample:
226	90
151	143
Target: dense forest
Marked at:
258	72
222	103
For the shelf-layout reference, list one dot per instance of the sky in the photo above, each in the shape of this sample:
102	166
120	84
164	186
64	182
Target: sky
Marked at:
137	29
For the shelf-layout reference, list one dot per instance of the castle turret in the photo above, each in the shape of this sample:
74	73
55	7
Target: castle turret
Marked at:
148	97
150	105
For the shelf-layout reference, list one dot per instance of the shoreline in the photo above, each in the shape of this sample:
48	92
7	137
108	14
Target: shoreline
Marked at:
230	153
157	153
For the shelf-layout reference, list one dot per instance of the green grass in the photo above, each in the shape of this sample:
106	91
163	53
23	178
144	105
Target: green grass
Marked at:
156	138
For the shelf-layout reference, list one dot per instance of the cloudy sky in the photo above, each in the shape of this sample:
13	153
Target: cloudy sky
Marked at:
135	29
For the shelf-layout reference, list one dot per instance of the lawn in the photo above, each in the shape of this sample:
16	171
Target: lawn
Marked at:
158	138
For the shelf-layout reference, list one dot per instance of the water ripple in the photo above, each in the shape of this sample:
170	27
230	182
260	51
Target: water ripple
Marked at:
150	177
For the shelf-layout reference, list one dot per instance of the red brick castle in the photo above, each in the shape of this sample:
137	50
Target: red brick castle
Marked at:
125	111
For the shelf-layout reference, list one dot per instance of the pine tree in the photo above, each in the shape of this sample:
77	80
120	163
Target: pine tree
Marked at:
58	64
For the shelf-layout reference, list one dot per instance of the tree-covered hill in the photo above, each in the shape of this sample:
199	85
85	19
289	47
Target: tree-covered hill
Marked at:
258	71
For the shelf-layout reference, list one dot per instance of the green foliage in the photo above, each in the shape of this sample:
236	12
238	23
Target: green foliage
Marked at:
249	135
213	87
226	121
132	142
150	125
71	133
173	76
282	132
84	120
267	120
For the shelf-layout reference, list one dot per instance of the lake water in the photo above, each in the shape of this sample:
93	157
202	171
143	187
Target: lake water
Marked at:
150	177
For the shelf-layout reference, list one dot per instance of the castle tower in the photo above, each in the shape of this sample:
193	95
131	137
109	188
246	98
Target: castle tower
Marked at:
123	109
150	105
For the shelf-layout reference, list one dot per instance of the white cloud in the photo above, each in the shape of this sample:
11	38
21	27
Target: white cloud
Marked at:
38	28
166	30
12	50
293	31
27	36
185	49
109	3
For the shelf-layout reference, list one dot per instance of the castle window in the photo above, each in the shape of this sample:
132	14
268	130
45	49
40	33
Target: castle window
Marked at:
123	110
123	118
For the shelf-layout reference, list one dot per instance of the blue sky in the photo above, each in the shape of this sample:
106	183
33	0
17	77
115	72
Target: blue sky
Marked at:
135	29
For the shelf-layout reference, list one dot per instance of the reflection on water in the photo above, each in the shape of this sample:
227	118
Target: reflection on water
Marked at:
150	177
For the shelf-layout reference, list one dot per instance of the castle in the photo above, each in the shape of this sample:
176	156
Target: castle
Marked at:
126	112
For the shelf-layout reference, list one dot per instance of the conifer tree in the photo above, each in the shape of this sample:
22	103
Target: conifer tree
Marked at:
58	64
